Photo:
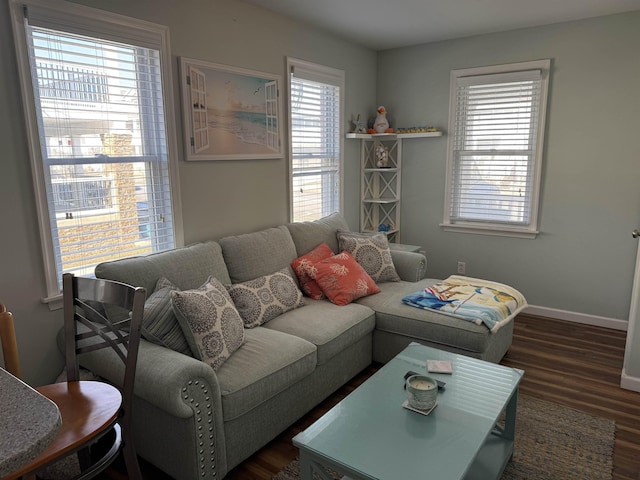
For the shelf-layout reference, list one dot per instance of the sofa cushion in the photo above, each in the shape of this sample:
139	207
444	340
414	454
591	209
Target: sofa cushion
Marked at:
187	267
329	327
372	252
159	322
303	266
267	363
342	279
307	235
256	254
264	298
210	322
395	317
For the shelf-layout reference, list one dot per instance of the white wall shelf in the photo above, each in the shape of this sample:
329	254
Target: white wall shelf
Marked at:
370	136
380	200
381	170
380	188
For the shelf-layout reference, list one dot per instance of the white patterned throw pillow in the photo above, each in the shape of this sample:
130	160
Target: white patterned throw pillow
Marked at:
264	298
372	252
210	322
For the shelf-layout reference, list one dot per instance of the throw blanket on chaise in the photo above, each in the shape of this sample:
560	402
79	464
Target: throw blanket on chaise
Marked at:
473	299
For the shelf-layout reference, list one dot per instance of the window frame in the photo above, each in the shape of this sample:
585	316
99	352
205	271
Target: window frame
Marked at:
93	20
483	227
328	75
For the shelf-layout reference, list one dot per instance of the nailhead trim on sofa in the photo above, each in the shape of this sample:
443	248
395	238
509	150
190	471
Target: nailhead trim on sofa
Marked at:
196	396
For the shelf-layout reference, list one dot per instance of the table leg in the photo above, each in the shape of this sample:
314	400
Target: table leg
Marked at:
306	470
510	417
308	467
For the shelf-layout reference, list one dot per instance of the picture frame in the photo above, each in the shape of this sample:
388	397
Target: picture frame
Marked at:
229	113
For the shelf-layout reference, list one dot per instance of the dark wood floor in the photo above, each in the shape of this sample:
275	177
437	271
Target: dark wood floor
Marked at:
575	365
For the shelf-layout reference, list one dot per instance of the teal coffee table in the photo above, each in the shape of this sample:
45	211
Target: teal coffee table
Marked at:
369	435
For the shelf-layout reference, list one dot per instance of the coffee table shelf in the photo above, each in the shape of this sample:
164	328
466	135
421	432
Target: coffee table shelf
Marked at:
491	459
368	435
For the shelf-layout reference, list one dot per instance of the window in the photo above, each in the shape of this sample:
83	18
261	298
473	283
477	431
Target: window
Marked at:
496	125
97	84
315	113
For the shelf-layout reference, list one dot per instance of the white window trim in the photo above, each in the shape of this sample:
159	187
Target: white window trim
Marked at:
54	296
487	228
332	76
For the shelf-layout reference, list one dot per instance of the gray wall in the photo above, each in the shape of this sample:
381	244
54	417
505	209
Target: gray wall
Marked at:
583	259
218	198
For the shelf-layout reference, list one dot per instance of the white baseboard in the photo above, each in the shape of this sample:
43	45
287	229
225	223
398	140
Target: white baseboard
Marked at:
629	383
583	318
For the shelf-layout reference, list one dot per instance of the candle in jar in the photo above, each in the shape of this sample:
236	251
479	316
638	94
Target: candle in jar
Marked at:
421	384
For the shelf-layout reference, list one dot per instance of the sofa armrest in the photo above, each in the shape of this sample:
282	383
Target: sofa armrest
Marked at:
182	387
161	375
411	266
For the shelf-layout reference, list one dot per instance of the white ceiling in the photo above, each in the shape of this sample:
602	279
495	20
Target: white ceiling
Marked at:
384	24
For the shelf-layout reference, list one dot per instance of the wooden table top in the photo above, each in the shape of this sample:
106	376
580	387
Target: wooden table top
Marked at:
28	424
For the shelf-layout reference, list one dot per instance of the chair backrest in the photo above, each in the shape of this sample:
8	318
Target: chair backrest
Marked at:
8	342
88	327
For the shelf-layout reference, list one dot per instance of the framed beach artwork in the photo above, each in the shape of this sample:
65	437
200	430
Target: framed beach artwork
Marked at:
229	113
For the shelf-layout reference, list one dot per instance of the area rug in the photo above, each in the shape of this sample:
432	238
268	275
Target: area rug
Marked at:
553	442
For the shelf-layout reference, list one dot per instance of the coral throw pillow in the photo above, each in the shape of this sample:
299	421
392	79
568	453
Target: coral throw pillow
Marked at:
342	279
304	268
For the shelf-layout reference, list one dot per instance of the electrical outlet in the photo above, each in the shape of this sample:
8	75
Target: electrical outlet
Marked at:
462	266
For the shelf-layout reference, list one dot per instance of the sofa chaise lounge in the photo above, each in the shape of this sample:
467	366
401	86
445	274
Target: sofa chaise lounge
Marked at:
192	421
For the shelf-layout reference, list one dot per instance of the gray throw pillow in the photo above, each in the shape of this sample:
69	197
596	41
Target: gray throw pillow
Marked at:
372	252
264	298
159	322
210	322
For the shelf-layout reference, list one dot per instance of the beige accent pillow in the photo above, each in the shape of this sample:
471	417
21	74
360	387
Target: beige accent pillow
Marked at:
264	298
210	322
372	252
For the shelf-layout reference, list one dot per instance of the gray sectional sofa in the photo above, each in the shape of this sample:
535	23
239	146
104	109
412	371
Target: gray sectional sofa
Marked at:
194	422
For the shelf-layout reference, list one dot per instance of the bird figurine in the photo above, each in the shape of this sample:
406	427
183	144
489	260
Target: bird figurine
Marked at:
381	125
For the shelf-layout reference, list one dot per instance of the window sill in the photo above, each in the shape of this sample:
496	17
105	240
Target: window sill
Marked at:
54	302
492	230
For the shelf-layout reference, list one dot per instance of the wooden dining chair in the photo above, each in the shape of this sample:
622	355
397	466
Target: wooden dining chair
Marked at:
96	416
8	342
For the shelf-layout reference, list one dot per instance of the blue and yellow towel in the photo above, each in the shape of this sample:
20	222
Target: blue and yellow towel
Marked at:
473	299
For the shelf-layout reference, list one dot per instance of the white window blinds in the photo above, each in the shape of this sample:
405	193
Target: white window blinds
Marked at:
316	141
103	141
494	156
